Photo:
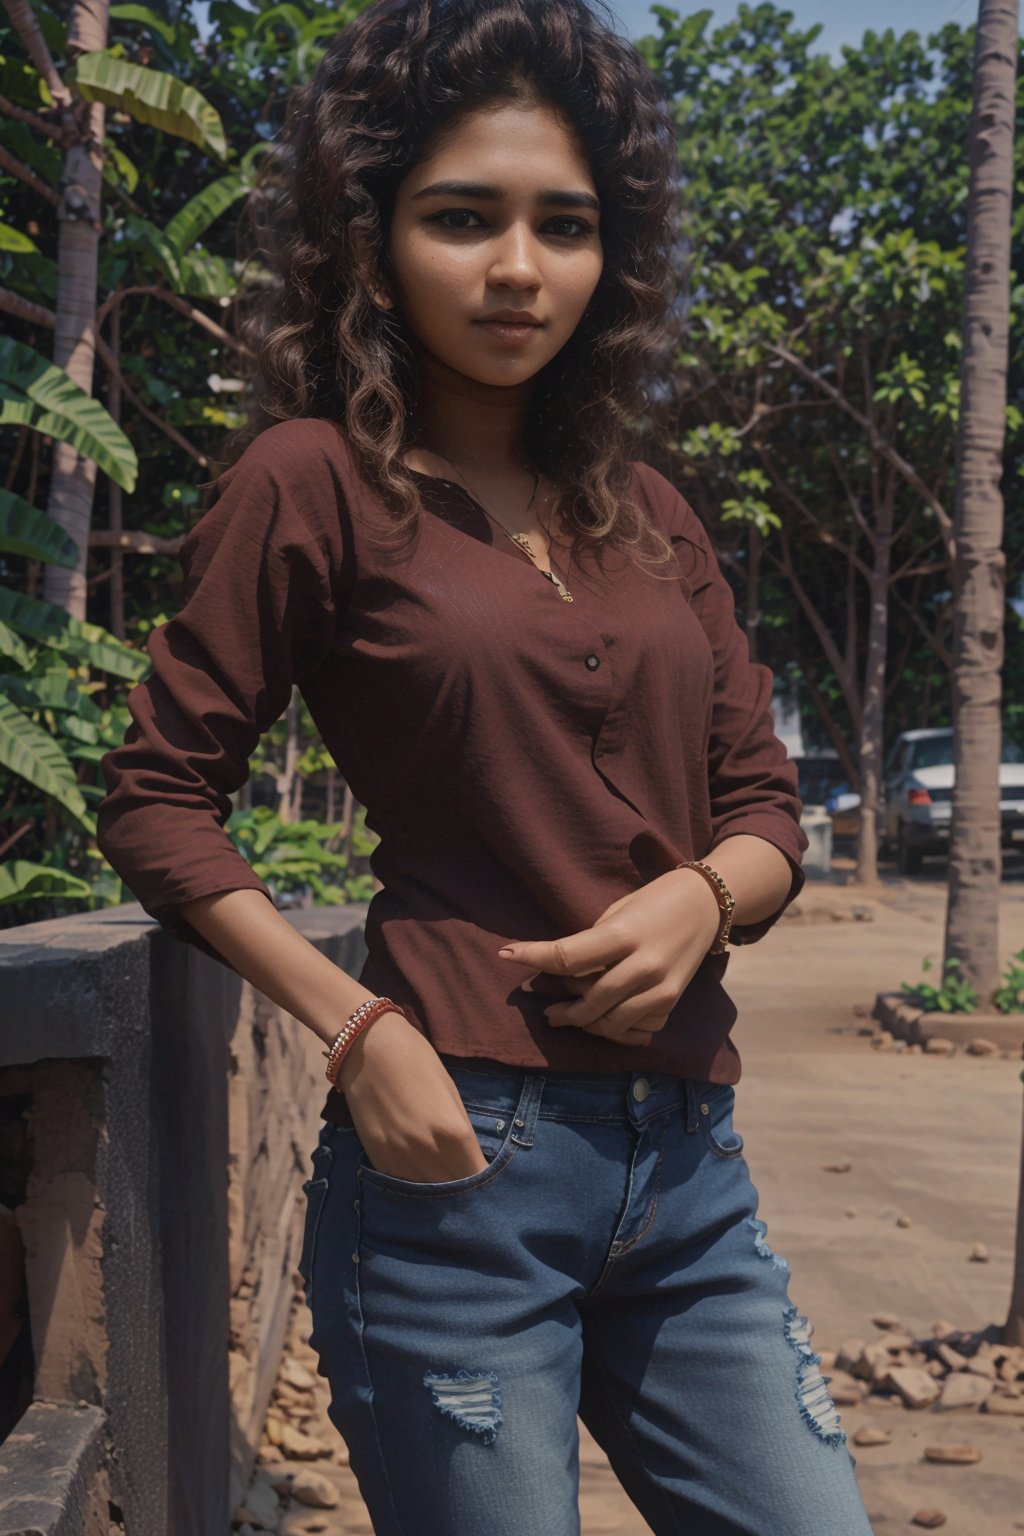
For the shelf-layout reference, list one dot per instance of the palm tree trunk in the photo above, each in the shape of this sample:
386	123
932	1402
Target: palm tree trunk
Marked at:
72	477
975	855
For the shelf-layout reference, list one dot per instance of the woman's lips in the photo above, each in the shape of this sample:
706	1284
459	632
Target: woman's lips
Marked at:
507	330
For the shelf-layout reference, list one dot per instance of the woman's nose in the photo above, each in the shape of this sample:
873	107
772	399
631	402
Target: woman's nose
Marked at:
515	261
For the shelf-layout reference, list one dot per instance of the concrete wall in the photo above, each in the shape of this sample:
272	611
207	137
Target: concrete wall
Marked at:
171	1110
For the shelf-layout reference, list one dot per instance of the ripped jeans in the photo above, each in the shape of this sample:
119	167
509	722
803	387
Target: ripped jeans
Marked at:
609	1261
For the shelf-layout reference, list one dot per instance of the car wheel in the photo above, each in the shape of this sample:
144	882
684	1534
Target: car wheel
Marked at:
909	859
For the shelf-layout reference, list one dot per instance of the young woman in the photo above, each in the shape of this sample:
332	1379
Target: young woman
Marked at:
528	1198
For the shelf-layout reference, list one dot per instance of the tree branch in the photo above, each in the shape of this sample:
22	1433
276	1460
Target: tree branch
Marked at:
36	314
135	541
24	22
183	307
881	446
839	665
29	177
52	131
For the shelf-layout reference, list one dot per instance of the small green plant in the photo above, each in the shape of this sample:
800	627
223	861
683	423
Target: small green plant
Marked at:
1009	998
296	858
956	994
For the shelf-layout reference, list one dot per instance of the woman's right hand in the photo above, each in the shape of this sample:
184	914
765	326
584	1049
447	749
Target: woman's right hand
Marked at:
405	1106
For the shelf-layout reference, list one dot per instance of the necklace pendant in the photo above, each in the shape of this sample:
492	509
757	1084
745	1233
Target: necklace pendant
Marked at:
566	595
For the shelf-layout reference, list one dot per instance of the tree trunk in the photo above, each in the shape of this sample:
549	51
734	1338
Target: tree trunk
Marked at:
754	543
286	778
114	492
1013	1333
348	819
873	717
72	477
975	855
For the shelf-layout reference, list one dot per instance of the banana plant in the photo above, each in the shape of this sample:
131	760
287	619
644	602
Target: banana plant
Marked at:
118	189
47	717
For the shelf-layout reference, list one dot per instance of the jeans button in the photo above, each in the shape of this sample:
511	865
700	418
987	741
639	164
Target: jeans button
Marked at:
641	1088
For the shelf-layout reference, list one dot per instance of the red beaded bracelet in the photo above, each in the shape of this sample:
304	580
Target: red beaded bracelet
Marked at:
354	1025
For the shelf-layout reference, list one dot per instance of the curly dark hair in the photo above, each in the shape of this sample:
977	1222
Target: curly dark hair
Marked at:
389	84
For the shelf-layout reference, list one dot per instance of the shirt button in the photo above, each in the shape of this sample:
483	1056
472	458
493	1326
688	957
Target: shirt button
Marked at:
641	1088
593	661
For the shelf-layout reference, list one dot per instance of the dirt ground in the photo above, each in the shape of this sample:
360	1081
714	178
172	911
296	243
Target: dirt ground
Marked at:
935	1141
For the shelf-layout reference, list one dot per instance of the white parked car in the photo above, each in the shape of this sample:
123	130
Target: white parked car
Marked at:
917	794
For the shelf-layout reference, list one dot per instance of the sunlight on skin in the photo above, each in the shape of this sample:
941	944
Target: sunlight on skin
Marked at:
459	258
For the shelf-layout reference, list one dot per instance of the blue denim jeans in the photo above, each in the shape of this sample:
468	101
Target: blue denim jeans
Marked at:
609	1261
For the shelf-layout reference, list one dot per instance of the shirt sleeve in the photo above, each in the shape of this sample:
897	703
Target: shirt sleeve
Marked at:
258	613
752	780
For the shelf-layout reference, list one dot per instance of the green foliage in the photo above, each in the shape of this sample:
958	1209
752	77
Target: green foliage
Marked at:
957	993
37	394
151	97
23	881
296	858
1009	997
824	214
166	227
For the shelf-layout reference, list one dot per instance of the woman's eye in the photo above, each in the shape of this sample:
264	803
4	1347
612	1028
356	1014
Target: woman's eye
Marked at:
454	213
578	232
563	227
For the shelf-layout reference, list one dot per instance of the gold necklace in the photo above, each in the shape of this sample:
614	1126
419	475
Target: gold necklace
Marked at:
520	540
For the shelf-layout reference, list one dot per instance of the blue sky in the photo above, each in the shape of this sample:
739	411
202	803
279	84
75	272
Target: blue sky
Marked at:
842	22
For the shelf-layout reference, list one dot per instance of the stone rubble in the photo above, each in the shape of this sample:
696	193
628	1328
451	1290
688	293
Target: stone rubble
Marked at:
948	1370
960	1455
287	1495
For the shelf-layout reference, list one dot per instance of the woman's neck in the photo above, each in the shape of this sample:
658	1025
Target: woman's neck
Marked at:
471	425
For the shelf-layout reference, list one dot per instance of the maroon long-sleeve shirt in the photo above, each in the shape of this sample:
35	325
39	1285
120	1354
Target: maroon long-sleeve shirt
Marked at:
525	761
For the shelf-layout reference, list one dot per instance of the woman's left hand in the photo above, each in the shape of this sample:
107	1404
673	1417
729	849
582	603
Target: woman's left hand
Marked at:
632	966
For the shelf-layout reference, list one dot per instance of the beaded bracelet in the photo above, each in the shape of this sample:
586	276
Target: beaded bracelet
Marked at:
724	897
354	1024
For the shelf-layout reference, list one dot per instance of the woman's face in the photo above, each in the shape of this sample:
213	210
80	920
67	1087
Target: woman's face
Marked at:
503	216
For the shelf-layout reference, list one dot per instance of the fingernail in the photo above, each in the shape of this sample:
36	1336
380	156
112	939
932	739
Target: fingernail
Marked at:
506	949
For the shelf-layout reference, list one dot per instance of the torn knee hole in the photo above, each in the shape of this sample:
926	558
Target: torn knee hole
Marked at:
471	1398
812	1395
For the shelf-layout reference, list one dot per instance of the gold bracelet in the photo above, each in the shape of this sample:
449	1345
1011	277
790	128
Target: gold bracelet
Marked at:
724	897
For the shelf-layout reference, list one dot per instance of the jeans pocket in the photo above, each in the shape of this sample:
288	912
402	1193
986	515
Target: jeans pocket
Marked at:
493	1123
716	1102
315	1190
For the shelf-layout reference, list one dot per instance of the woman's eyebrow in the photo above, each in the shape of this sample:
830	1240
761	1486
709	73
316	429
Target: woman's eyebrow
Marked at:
482	192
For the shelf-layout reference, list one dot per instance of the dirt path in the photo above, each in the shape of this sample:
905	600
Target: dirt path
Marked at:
933	1140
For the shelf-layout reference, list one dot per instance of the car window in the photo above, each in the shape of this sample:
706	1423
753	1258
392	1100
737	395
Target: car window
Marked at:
937	751
930	752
